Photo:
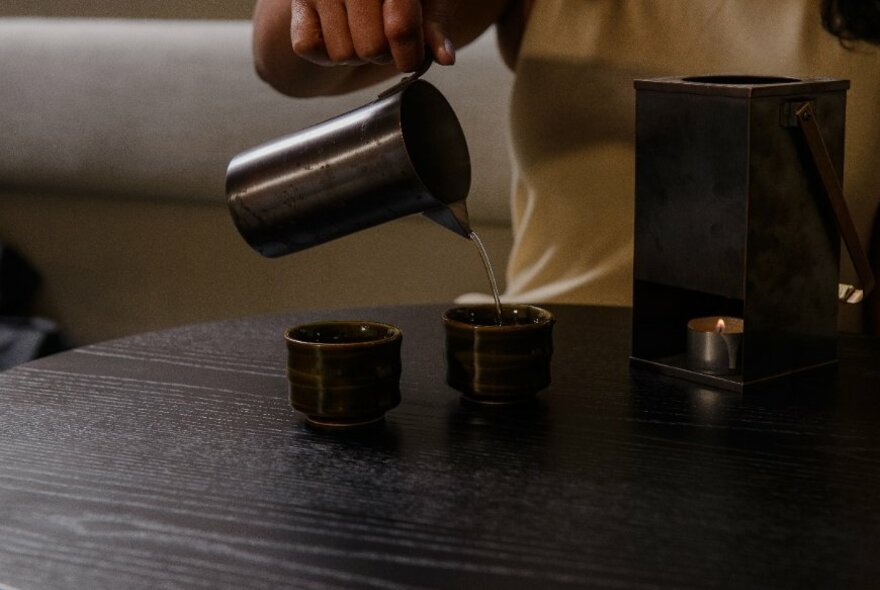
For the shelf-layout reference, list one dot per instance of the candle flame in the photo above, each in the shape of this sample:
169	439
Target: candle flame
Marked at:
720	326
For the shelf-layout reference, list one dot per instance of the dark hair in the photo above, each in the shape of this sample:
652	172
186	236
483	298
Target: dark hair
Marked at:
852	20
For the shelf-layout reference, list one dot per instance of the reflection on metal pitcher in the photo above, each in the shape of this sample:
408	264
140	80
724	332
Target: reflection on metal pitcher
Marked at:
404	153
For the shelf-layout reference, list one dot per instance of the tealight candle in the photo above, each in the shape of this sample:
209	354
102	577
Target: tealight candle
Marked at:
714	344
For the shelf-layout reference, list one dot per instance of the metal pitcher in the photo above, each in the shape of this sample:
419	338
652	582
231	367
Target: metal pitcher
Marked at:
401	154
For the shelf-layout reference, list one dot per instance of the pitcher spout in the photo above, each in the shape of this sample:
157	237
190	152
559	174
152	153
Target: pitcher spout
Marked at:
453	217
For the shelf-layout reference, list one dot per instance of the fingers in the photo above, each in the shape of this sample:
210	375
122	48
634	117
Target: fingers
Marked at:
352	32
403	29
365	21
337	35
306	35
319	32
438	17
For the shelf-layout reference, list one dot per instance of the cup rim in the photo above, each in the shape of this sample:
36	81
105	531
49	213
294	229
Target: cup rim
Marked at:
706	325
394	333
548	318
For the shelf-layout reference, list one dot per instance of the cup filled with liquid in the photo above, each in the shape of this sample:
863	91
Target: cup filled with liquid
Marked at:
498	359
344	374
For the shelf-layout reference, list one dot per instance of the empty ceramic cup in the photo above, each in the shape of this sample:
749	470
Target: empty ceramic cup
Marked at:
344	374
492	362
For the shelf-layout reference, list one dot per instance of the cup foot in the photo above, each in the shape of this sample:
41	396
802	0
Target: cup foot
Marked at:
325	423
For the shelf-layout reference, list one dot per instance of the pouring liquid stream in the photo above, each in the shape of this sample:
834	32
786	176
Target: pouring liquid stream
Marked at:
484	256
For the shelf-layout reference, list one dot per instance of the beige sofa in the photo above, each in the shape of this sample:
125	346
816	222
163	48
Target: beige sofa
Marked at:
116	135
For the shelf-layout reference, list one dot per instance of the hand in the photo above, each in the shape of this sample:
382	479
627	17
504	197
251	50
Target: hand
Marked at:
356	32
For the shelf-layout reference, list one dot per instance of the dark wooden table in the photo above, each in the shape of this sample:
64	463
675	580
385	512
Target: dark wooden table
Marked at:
172	460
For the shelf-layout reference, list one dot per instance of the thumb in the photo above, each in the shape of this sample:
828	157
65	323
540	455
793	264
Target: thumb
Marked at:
437	17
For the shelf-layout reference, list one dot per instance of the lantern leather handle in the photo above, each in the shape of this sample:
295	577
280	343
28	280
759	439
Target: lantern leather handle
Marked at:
806	121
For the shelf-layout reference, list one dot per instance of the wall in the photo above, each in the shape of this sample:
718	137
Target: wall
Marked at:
202	9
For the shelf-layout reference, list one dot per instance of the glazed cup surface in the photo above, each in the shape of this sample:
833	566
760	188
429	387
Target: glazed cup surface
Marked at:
491	363
344	373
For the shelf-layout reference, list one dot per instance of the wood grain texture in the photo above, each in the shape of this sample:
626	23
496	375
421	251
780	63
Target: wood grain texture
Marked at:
172	460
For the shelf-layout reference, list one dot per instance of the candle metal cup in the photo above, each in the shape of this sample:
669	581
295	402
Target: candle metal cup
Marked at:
497	363
344	374
714	345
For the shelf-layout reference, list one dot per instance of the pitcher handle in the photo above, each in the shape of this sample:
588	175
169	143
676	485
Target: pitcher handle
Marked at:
429	59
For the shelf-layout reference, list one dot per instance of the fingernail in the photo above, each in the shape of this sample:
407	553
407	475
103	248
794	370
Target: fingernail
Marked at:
450	49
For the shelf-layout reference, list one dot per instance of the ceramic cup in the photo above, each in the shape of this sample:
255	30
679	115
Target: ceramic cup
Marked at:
502	364
343	374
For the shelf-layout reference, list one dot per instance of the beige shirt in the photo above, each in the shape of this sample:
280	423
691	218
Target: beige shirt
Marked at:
573	111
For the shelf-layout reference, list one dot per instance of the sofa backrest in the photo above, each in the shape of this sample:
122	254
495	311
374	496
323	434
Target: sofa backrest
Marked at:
156	109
